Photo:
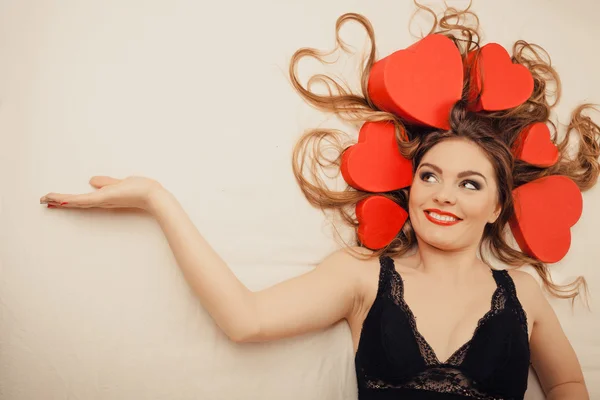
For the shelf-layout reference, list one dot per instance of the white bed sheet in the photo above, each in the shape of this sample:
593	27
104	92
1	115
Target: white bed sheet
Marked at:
195	94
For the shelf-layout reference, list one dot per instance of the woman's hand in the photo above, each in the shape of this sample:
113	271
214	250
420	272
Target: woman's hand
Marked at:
131	192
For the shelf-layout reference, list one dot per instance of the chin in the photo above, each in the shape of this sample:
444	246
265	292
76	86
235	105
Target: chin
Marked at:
441	245
440	240
445	238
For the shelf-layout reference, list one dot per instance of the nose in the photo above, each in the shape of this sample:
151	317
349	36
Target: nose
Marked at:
445	195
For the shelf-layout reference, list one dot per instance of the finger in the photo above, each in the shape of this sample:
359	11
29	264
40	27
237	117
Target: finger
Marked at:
52	198
100	181
69	200
83	200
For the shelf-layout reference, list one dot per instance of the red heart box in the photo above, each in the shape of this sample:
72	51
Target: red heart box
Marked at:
505	85
379	221
535	146
420	83
375	164
545	211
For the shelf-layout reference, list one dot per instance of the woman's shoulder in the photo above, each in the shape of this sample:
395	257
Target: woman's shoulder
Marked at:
355	264
528	290
351	260
361	268
525	283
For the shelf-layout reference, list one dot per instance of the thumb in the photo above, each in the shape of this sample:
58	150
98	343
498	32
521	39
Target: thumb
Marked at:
100	181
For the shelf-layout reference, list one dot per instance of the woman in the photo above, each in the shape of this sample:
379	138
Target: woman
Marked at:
430	319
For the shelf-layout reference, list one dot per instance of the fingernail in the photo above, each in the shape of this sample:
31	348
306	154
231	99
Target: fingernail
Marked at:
51	206
62	204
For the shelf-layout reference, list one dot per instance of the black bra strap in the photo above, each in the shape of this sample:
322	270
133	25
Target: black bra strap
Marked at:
505	280
385	274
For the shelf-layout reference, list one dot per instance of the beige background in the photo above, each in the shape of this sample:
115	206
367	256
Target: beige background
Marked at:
195	94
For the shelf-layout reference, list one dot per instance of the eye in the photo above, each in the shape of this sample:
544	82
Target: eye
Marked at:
428	177
471	185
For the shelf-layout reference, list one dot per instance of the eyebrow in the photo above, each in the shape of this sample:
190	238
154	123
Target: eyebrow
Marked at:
460	174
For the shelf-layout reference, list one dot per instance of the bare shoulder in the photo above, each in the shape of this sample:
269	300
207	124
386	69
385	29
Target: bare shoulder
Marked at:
529	292
524	281
350	260
356	264
552	356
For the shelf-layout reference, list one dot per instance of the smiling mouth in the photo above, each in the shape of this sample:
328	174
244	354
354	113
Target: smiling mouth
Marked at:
441	219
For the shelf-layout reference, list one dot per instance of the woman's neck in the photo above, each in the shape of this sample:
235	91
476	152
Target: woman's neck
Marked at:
455	266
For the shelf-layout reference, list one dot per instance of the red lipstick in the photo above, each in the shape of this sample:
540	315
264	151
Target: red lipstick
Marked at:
440	212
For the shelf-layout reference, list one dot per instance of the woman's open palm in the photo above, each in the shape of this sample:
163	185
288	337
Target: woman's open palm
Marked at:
131	192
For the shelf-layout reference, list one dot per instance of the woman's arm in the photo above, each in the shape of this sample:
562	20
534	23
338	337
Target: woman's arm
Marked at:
309	302
312	301
552	356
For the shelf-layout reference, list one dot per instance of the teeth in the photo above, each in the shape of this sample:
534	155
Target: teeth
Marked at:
441	217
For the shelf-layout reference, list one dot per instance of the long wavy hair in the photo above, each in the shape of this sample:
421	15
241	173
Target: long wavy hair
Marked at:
495	132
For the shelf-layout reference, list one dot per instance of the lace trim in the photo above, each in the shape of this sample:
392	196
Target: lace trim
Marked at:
443	377
518	309
497	305
438	380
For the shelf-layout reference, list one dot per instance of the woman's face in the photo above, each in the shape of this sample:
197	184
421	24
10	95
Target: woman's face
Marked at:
453	196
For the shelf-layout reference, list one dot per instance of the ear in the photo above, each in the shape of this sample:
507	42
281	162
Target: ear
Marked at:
495	214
